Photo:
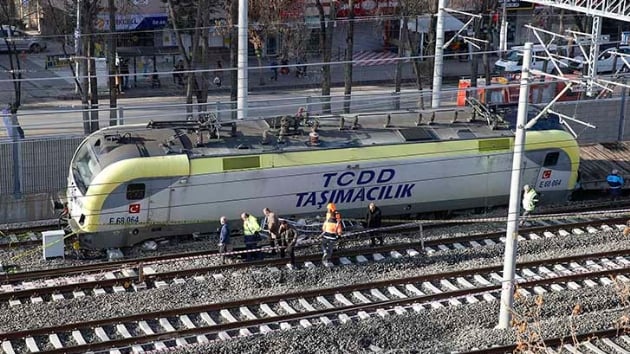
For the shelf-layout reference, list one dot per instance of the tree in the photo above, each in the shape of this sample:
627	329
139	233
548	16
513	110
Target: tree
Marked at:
325	47
410	9
193	18
65	21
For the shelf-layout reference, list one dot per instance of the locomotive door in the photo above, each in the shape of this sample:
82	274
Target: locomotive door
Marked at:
552	175
160	206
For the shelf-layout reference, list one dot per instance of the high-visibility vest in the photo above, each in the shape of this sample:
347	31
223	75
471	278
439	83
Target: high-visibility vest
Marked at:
250	226
332	227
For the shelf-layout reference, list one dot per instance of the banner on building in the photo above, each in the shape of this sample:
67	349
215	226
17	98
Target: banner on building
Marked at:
516	4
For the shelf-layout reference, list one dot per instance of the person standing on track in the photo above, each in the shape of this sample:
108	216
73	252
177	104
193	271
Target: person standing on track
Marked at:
615	184
288	240
224	239
332	229
530	198
373	221
273	224
251	230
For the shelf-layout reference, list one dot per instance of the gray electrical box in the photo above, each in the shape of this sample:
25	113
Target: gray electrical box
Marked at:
53	243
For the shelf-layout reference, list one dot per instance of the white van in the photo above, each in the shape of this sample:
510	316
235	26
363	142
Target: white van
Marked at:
513	61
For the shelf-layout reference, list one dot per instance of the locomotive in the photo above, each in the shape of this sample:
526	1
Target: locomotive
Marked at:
132	183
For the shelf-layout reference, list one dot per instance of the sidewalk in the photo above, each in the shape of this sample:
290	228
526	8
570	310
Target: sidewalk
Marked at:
57	84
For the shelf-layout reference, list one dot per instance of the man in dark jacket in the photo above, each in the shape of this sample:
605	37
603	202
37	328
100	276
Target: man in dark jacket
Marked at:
373	220
224	239
288	240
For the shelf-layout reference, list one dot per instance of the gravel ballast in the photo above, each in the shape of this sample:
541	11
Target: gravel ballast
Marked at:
430	331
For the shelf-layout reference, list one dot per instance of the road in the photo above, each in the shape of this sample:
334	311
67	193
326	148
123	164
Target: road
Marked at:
66	118
44	112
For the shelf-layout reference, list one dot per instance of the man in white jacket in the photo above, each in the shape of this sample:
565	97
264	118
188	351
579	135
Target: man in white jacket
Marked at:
530	198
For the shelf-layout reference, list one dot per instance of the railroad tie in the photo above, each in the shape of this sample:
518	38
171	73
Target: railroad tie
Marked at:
613	345
32	345
101	334
267	310
377	257
343	300
378	294
395	254
412	253
322	300
7	347
166	325
53	338
286	307
122	330
343	318
160	346
247	313
474	244
137	349
264	329
359	296
99	291
78	337
345	261
361	259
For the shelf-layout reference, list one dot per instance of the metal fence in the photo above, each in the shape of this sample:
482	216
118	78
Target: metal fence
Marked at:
41	164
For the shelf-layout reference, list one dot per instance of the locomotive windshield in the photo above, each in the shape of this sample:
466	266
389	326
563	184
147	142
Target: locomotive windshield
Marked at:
84	167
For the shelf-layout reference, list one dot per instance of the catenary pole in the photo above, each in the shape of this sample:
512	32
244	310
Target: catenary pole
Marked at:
439	56
509	263
241	97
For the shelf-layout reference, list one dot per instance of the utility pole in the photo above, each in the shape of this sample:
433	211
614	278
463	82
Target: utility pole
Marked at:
503	31
622	110
511	234
241	101
439	56
111	61
77	46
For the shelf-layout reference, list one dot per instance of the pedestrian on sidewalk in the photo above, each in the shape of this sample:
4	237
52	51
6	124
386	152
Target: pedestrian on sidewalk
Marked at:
274	70
178	76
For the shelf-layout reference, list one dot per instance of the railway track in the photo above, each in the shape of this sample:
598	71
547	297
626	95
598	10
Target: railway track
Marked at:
597	342
260	315
29	235
125	276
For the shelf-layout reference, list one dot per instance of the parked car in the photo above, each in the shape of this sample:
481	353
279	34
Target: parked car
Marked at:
19	40
605	60
513	61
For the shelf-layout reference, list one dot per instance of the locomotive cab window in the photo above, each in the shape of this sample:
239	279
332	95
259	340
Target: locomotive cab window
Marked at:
135	191
551	159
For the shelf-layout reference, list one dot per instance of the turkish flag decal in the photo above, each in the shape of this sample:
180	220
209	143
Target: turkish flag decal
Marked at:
546	174
134	208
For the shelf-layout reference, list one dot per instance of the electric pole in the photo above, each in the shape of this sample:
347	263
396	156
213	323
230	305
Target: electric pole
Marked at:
511	234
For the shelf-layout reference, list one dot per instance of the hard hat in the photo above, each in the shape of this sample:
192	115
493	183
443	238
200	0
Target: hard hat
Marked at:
614	172
331	206
526	187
